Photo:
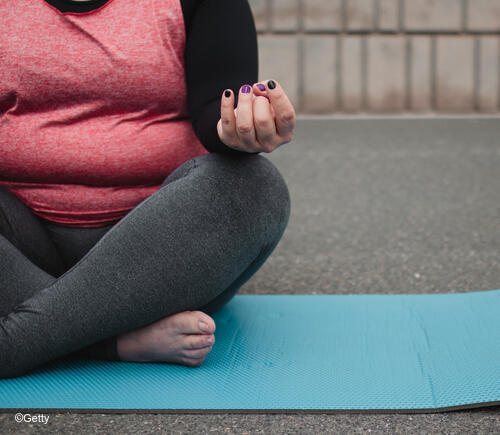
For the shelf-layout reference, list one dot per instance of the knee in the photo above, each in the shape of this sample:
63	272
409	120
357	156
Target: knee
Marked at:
256	181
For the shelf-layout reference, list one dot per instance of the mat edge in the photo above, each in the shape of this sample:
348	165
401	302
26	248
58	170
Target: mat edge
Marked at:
251	411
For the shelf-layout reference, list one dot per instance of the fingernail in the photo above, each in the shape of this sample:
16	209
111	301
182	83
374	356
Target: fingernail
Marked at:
227	93
203	326
211	340
246	89
271	84
261	87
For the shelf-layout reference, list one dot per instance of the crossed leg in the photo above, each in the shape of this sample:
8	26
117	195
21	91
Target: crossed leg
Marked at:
189	246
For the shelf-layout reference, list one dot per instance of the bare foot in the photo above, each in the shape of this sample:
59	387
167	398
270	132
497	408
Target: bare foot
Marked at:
175	339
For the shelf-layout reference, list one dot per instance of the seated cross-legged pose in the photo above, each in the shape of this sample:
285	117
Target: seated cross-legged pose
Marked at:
134	198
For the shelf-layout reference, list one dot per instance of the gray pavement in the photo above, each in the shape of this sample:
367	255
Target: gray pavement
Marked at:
378	206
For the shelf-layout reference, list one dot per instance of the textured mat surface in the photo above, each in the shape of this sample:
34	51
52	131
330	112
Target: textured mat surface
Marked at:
364	353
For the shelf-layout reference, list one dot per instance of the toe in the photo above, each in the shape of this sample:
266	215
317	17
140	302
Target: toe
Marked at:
186	322
198	341
189	322
193	362
205	318
197	353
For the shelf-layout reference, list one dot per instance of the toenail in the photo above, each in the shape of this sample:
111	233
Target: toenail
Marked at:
211	340
203	326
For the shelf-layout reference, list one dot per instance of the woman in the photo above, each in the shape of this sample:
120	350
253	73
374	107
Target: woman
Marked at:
134	201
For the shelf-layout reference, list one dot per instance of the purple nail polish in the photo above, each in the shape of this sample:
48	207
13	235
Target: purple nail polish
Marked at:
261	87
246	89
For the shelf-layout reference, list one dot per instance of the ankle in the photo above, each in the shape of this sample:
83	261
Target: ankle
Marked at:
127	347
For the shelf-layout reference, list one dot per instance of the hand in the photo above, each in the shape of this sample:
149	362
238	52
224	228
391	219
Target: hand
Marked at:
263	120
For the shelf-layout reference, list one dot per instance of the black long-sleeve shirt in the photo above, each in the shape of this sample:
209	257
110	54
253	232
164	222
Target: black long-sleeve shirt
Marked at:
221	53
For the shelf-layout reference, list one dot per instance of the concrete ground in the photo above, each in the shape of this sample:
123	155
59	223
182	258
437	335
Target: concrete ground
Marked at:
378	206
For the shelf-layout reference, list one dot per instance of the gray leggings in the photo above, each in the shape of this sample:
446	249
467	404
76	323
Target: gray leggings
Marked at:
191	245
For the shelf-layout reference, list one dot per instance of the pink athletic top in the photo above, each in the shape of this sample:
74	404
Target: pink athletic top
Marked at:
97	107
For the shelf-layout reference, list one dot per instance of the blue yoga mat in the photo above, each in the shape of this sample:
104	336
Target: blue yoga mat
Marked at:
325	353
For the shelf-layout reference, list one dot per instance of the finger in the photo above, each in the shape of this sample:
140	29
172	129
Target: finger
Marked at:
259	88
228	119
283	108
265	128
244	117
